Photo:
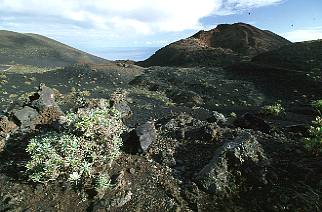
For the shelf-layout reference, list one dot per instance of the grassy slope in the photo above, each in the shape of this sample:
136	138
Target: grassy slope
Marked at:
37	50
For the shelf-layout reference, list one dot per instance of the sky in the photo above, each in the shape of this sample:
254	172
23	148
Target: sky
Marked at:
96	25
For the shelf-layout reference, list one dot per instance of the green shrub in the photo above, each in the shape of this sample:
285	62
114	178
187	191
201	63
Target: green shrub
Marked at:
314	142
81	152
59	154
317	105
275	110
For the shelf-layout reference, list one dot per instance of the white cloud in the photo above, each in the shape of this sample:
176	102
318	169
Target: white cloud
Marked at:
229	7
304	34
122	16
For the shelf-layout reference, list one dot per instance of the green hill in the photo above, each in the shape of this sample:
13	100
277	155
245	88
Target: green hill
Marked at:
37	50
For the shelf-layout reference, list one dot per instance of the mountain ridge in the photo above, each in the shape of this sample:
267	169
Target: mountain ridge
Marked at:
39	50
225	44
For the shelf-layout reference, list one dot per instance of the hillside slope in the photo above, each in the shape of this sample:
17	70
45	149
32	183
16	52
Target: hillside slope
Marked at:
225	44
302	56
37	50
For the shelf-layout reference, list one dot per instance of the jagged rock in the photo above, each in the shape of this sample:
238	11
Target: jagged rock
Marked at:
43	99
146	134
250	121
217	117
141	138
25	117
237	163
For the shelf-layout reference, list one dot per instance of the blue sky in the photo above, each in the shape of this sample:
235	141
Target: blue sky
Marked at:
99	24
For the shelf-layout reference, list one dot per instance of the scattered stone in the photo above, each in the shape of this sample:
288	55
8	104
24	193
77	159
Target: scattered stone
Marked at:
237	164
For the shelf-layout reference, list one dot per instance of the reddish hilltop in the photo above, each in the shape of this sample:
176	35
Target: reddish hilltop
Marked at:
225	44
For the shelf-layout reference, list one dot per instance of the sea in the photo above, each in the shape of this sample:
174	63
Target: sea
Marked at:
126	53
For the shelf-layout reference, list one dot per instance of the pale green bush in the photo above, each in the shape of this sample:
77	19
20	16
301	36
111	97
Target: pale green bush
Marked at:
82	151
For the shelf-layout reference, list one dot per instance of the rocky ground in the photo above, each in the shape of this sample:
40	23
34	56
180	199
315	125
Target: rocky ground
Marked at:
178	153
222	121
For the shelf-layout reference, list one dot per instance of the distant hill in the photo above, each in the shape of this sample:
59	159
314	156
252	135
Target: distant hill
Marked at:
37	50
225	44
302	56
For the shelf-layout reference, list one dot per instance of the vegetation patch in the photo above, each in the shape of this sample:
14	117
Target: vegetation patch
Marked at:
274	110
314	142
81	152
317	105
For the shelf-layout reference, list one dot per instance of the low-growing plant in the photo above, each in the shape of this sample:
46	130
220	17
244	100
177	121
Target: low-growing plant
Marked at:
86	146
318	105
314	142
56	154
274	110
103	182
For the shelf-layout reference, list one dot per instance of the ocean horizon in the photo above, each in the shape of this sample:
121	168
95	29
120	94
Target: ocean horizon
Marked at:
125	53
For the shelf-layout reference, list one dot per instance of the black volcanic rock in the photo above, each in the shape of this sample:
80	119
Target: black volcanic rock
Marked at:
239	161
226	44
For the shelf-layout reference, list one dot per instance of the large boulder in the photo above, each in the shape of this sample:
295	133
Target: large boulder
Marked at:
237	164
